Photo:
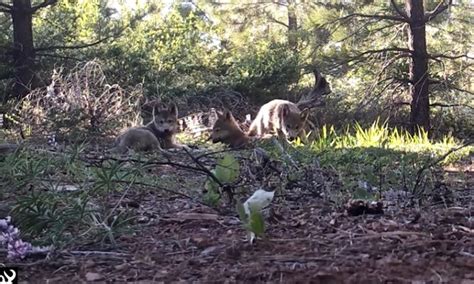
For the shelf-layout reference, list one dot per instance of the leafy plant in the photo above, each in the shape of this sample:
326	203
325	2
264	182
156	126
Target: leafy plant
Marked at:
253	222
226	171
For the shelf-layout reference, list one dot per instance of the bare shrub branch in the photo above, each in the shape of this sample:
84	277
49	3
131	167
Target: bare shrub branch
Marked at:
80	102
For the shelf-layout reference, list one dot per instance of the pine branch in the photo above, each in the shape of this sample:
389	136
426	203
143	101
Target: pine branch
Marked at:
380	17
45	3
5	8
434	56
439	9
376	51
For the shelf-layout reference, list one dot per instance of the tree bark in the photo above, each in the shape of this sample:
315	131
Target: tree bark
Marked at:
23	48
420	103
292	25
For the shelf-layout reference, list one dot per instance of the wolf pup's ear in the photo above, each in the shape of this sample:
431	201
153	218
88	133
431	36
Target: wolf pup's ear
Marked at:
173	109
285	110
304	114
228	115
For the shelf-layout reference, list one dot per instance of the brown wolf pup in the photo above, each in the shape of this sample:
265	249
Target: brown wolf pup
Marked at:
279	117
227	130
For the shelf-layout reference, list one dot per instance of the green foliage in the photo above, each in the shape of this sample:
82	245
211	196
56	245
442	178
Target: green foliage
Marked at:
253	222
265	68
226	171
23	168
378	158
181	49
54	201
51	218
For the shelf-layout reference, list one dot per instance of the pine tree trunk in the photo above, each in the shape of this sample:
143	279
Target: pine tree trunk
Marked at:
420	103
292	25
23	48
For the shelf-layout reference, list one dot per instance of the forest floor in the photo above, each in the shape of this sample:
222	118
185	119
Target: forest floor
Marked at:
307	239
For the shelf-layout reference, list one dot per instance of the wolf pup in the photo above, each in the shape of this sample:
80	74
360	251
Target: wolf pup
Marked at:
138	139
156	135
165	125
227	130
279	117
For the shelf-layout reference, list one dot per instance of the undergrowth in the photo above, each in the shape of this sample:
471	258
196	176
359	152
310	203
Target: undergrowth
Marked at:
373	160
61	199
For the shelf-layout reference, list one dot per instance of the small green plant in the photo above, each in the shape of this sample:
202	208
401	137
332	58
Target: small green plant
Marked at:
50	218
253	222
26	167
108	174
226	171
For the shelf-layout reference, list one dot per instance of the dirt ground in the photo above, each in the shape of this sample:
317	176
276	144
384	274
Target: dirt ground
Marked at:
307	240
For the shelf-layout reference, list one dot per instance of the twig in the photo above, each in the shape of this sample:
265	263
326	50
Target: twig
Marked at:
390	234
280	147
93	252
204	168
419	174
290	258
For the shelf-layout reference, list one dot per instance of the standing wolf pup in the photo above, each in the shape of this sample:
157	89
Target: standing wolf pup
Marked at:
280	117
158	134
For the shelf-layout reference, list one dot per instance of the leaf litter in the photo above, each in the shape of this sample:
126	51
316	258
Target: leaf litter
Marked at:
308	238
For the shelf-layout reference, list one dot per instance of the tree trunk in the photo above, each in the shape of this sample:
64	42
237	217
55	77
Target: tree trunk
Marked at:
420	101
292	25
23	48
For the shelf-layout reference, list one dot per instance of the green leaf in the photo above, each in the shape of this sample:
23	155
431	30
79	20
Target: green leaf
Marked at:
256	224
241	210
210	184
227	169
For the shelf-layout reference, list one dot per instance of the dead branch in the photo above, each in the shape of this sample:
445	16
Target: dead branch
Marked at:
379	17
435	56
42	5
271	18
450	86
314	98
204	168
368	100
58	56
403	51
399	12
419	175
439	9
54	47
451	105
